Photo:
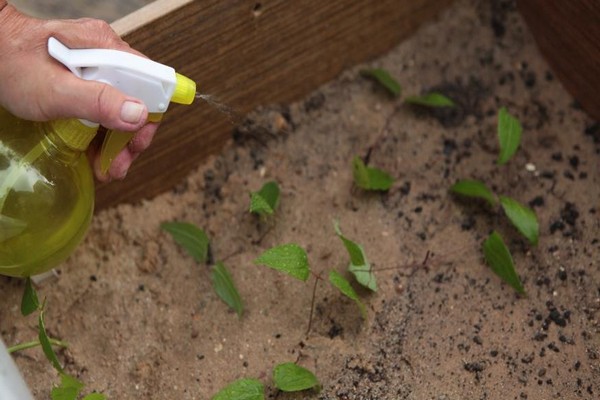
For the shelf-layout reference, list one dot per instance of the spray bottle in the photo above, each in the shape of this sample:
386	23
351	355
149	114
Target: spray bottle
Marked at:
46	183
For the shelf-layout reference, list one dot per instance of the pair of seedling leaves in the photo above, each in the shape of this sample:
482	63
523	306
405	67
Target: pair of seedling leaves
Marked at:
69	388
287	377
369	178
495	251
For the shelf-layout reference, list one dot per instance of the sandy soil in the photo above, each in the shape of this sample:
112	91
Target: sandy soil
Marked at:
143	321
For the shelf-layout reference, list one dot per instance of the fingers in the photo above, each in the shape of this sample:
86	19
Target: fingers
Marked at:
96	102
142	139
121	164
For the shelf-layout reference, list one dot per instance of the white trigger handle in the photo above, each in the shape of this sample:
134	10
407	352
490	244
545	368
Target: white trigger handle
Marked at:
151	82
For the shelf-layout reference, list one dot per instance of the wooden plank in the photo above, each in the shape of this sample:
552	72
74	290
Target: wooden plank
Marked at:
147	15
568	35
249	53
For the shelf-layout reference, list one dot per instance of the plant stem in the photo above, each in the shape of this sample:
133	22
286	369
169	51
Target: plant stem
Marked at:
35	343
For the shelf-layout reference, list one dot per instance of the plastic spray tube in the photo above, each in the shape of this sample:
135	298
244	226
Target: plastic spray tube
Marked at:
12	385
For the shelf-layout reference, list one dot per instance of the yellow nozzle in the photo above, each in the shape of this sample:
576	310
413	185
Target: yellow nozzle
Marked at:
185	90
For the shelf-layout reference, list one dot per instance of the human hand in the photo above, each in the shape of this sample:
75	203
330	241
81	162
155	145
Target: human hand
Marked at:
35	87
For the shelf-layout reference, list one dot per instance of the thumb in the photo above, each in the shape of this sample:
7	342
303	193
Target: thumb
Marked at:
98	102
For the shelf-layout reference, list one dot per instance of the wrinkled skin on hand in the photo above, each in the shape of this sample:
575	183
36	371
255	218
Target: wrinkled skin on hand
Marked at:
36	87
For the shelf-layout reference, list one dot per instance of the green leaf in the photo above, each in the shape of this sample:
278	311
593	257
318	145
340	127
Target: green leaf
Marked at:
473	188
193	239
60	393
290	377
242	389
266	200
384	79
68	390
499	259
288	258
94	396
369	178
359	171
522	217
432	99
29	302
347	290
259	205
225	288
509	135
359	266
47	345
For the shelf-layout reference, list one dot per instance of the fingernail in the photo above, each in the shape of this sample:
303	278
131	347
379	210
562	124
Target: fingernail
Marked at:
132	112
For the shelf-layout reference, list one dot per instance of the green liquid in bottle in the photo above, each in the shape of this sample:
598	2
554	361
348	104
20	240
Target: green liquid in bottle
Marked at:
46	194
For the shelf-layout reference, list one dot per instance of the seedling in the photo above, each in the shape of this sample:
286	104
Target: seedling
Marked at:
195	241
496	254
70	388
265	201
387	81
288	377
359	266
369	178
292	260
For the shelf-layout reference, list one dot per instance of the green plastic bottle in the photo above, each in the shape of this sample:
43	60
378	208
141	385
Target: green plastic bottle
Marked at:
46	183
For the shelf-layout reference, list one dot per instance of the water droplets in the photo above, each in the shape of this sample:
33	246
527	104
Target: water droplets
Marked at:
233	115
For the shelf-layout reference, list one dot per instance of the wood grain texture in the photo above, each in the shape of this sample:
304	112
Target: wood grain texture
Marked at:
249	53
568	35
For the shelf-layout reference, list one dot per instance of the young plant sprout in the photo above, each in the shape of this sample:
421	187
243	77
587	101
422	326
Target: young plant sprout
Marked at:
265	201
70	388
287	377
495	251
369	178
196	242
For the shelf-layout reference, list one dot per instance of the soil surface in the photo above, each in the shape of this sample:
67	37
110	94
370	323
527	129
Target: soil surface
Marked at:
143	321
